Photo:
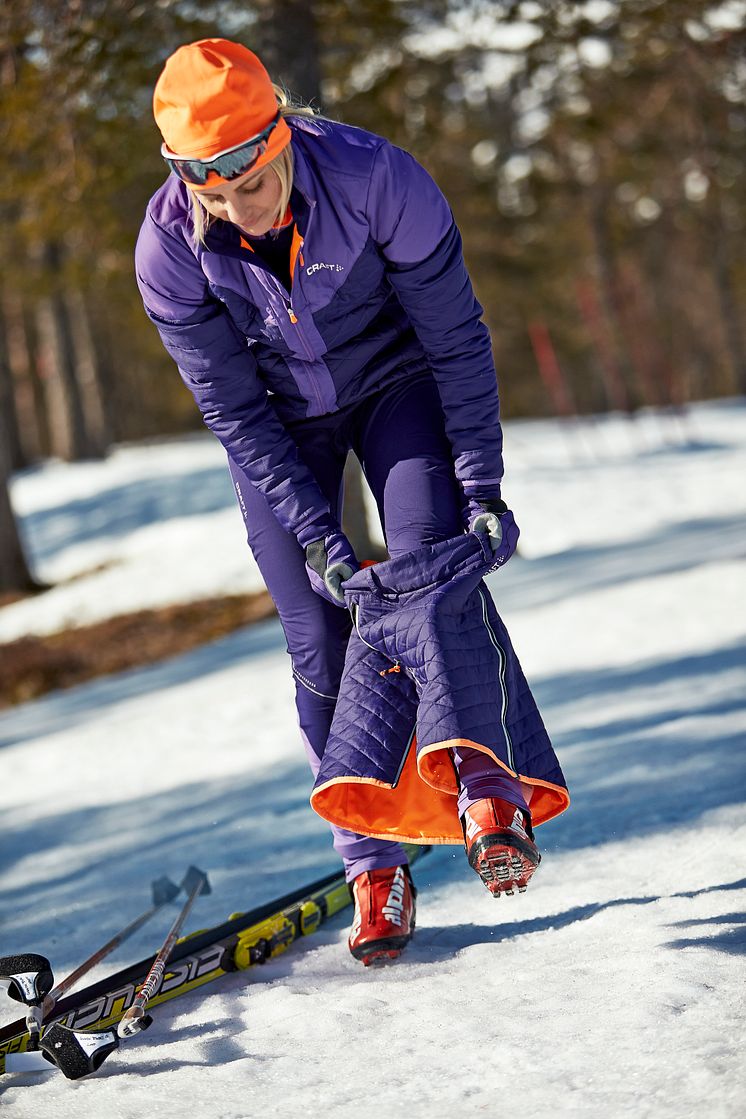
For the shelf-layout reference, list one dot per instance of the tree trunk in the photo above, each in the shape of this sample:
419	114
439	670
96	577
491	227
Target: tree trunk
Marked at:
609	287
729	310
355	518
292	60
8	410
720	240
597	325
14	571
29	392
68	431
90	373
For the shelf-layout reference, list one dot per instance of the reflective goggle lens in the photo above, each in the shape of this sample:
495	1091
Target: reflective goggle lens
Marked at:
230	165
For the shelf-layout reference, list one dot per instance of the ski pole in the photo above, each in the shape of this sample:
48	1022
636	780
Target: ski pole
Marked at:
29	979
135	1019
77	1053
164	891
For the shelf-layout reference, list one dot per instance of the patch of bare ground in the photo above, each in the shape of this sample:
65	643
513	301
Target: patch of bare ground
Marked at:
32	666
7	598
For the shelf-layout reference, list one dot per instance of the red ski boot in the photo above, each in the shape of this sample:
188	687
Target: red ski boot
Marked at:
500	845
384	914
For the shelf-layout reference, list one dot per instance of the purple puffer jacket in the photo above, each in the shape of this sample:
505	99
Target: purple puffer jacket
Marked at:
379	291
429	662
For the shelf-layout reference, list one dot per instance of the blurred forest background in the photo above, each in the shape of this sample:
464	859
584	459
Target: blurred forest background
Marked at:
594	155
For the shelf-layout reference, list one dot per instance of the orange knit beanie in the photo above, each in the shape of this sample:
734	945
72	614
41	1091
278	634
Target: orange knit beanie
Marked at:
213	95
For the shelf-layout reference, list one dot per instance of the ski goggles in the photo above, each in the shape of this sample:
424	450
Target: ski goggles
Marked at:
229	164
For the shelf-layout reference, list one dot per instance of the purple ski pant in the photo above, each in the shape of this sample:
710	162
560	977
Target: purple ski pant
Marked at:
399	437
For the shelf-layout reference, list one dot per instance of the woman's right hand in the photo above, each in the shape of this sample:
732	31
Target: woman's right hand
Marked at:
329	563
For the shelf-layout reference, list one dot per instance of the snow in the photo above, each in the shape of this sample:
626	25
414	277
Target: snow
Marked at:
613	987
151	525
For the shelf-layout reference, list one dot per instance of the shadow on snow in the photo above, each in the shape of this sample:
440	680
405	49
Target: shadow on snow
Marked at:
676	760
62	709
434	944
525	584
120	510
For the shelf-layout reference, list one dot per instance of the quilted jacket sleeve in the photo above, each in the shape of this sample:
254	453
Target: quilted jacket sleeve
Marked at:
414	229
221	373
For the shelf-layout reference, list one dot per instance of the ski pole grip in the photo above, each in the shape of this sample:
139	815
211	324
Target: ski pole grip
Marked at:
27	976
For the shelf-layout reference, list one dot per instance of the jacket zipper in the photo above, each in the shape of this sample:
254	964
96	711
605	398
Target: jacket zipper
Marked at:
403	761
296	323
309	357
288	304
503	690
291	311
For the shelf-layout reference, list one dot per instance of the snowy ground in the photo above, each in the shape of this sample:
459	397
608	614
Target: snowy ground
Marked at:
614	987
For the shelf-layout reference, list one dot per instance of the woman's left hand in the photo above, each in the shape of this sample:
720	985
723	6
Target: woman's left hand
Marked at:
493	518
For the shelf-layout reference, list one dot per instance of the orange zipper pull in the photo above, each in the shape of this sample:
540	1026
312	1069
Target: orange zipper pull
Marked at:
385	671
291	312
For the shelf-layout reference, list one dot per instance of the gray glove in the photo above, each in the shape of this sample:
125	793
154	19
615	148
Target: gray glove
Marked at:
496	522
329	563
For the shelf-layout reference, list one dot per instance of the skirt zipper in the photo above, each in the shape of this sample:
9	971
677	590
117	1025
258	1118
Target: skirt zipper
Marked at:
396	667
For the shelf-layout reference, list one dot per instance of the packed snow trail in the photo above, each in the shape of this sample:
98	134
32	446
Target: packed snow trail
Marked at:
613	986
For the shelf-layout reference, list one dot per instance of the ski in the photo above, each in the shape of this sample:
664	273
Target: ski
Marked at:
243	941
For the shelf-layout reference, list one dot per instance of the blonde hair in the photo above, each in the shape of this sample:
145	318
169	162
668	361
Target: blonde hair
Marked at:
282	165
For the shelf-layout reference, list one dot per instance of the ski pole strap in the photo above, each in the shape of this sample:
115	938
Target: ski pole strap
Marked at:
77	1053
27	976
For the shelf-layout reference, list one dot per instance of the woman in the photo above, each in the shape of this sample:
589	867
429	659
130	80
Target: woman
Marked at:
308	280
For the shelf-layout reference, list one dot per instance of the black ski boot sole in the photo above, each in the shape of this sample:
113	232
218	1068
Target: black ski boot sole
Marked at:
504	861
381	951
